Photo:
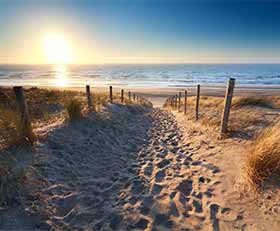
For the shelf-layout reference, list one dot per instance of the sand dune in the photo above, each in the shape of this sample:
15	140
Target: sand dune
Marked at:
130	168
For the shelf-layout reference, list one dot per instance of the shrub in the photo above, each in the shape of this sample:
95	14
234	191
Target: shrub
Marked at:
264	159
74	109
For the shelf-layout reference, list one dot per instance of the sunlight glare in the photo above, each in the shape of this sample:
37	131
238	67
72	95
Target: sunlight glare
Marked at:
57	49
61	76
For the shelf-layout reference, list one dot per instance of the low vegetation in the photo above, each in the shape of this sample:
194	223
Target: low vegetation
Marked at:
45	105
264	160
249	115
239	102
74	109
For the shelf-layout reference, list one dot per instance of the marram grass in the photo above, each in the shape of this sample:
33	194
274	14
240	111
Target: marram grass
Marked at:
264	159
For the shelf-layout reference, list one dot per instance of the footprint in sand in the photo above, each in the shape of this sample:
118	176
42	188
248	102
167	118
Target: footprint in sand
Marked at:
160	175
214	209
148	170
185	187
163	163
156	189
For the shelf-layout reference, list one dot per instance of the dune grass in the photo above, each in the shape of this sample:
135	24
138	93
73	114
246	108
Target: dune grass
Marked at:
10	126
264	159
239	102
247	115
74	109
45	105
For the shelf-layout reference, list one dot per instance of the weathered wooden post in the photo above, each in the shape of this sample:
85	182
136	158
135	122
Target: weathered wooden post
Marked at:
176	101
25	118
185	103
111	94
197	102
179	102
129	96
88	96
227	106
122	99
134	96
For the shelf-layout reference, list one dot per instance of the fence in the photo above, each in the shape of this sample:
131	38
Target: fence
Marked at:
175	103
19	114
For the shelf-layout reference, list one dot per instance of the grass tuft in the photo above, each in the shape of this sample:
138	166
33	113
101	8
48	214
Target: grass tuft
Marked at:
74	109
11	127
264	159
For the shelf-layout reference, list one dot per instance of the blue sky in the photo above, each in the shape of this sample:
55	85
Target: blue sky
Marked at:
154	31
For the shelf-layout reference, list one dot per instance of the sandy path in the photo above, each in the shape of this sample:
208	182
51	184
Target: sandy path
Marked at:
177	185
88	164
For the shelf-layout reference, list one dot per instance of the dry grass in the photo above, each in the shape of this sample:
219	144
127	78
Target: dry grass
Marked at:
42	105
247	117
264	159
45	105
74	109
266	102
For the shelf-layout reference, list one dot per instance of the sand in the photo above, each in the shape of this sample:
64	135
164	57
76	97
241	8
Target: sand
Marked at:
130	168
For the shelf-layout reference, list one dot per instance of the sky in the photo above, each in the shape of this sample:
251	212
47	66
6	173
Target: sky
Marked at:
139	31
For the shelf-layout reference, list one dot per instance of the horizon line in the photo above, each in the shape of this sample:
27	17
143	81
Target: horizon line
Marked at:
163	63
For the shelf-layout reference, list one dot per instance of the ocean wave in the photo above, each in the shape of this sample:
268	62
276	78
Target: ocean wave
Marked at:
146	75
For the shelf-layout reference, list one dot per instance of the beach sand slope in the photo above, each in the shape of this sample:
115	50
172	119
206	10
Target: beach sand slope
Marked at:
131	168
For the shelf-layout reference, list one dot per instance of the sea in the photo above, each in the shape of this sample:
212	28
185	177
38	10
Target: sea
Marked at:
140	75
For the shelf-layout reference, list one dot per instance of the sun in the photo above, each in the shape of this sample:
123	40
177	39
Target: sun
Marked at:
57	49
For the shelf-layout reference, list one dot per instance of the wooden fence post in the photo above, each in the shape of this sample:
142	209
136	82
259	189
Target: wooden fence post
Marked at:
133	96
197	102
227	105
88	96
129	96
111	94
176	101
185	103
122	96
25	118
179	102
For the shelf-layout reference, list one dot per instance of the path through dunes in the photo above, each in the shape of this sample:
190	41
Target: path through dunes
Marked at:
176	188
131	169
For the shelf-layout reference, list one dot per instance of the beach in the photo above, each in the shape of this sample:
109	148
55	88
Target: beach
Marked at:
139	115
131	167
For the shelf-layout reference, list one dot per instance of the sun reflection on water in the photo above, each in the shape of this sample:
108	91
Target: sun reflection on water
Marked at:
61	78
